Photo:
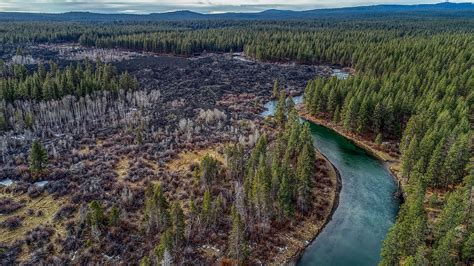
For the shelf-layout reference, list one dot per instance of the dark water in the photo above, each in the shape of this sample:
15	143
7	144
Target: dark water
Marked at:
366	208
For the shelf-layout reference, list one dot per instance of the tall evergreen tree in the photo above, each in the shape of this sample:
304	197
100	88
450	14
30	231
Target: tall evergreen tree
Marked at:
238	248
276	89
206	210
305	172
285	197
165	245
178	224
280	110
38	156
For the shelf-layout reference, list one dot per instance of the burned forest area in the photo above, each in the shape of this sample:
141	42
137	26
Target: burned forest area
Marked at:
159	168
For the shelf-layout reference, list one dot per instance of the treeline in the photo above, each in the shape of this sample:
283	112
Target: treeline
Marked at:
50	83
316	42
269	185
175	42
22	32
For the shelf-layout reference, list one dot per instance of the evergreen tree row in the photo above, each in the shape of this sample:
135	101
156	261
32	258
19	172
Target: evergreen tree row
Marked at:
50	83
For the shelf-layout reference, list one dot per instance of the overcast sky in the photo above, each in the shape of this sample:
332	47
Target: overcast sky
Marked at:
203	6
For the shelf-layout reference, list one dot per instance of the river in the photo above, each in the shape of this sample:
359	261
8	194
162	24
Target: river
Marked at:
367	207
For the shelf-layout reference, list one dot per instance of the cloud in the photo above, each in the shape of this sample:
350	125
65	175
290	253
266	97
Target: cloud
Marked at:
203	6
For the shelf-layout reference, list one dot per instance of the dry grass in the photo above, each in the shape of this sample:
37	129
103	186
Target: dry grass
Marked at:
99	143
154	165
84	150
46	204
186	158
122	167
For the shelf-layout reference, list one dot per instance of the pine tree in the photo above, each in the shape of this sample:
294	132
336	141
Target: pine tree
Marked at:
209	169
468	248
377	118
95	218
260	148
38	157
294	144
421	256
413	218
332	101
290	104
29	120
238	249
456	160
163	208
114	216
166	244
280	110
391	247
435	165
305	171
261	190
193	216
3	121
276	89
378	139
337	115
127	83
157	217
285	197
363	118
206	210
350	114
409	157
452	214
276	165
234	157
218	209
306	139
145	261
442	254
177	221
409	261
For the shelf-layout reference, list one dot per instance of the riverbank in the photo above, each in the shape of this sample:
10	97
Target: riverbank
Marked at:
313	225
391	162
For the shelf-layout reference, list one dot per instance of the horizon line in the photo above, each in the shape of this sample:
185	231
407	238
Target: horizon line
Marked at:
229	12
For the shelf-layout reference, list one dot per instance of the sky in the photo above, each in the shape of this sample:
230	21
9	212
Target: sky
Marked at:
202	6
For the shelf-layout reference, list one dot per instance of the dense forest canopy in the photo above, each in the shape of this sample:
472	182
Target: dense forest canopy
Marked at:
413	85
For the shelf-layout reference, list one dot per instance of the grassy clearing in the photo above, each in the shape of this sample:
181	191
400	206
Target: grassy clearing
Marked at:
186	158
46	204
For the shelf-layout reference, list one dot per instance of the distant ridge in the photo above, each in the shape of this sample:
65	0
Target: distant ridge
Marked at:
441	9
